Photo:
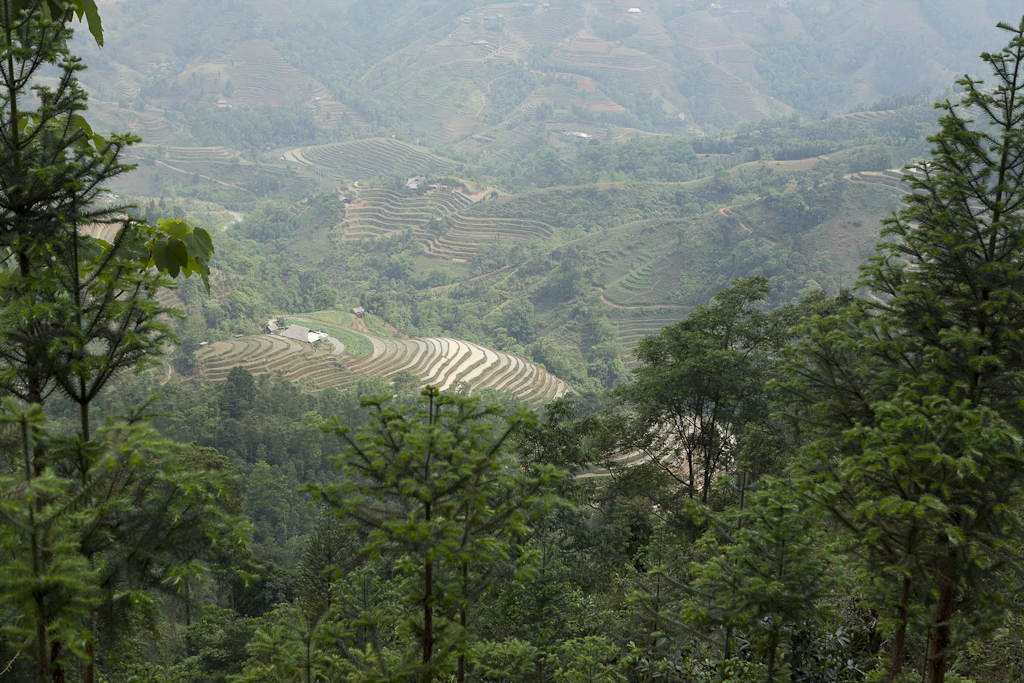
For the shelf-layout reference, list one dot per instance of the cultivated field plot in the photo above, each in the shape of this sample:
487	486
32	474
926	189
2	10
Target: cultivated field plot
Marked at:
442	362
150	125
641	69
115	81
445	222
259	76
468	234
663	450
199	153
549	25
371	158
376	212
563	96
633	329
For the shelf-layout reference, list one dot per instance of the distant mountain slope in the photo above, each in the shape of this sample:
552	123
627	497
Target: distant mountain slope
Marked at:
472	75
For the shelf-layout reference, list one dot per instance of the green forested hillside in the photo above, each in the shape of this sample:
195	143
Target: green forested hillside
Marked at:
469	341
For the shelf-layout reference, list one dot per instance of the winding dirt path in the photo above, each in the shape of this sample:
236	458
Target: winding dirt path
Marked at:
724	212
235	218
483	97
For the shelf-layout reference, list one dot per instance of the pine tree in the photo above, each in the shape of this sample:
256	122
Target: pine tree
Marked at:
916	393
433	484
75	310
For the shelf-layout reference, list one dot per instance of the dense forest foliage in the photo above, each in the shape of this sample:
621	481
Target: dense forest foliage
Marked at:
804	478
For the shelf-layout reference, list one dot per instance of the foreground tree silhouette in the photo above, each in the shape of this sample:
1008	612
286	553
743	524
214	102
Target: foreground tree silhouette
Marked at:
916	393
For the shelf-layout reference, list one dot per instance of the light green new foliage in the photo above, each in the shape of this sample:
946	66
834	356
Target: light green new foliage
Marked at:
593	659
298	649
506	661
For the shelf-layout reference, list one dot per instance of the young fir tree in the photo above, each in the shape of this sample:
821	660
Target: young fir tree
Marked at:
916	393
433	484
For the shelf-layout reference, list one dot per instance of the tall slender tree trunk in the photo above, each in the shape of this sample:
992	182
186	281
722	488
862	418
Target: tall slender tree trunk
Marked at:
58	670
428	616
899	643
428	610
460	674
772	651
940	636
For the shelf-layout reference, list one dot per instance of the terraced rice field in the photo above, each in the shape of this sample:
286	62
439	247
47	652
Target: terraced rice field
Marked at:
468	233
271	353
650	29
638	281
150	125
549	26
153	129
119	80
439	361
661	450
640	69
736	96
380	211
199	153
580	44
446	54
632	330
261	76
371	158
869	116
891	179
330	113
466	67
103	231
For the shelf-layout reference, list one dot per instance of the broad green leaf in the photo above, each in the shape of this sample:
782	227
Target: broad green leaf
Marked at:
177	255
205	240
92	17
197	249
79	123
174	228
161	258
